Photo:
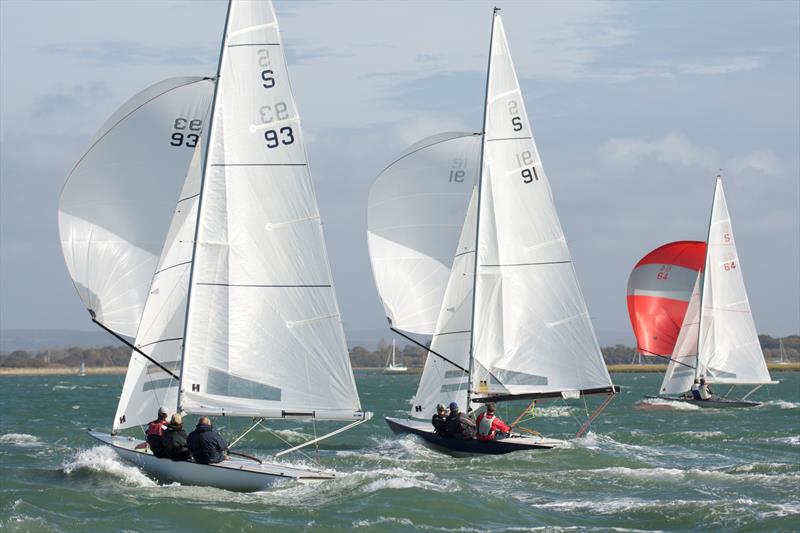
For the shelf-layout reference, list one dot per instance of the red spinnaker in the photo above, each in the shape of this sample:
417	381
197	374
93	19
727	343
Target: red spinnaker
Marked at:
659	289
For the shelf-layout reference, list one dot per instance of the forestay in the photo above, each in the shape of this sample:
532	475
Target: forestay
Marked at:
148	386
263	336
115	208
416	210
729	350
532	328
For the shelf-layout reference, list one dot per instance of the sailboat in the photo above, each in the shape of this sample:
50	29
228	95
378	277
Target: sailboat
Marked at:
512	323
82	369
240	317
717	340
393	366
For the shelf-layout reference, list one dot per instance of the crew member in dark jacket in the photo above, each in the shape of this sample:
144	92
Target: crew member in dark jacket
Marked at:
439	420
459	425
205	444
173	441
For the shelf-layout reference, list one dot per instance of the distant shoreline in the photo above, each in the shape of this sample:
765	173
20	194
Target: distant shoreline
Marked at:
121	370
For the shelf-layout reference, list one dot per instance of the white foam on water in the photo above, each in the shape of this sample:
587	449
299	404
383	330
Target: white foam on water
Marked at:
666	404
104	459
23	440
782	404
405	522
555	411
292	435
683	475
793	439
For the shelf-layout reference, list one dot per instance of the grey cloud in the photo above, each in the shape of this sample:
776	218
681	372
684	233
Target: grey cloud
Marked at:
72	100
102	53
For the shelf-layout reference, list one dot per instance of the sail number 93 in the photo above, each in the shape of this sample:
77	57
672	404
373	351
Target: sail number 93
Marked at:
284	136
184	136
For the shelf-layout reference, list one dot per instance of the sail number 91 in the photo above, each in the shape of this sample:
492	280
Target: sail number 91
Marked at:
285	136
529	175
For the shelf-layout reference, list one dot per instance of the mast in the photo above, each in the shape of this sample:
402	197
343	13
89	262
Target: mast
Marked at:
200	199
478	217
703	278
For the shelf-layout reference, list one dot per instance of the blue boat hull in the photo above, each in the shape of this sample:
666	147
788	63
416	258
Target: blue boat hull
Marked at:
514	443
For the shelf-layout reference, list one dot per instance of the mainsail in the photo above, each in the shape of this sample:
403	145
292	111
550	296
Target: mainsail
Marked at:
263	332
135	164
729	350
532	331
659	290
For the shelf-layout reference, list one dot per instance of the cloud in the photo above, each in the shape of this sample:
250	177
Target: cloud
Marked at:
673	149
764	161
114	53
74	100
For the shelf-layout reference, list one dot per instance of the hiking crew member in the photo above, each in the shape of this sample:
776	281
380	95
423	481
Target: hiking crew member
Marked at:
459	425
205	444
705	392
490	427
154	431
439	420
696	390
173	440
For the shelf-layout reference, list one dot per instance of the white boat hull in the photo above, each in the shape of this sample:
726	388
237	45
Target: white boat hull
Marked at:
233	474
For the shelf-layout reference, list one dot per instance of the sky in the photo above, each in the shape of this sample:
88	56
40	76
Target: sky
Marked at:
634	106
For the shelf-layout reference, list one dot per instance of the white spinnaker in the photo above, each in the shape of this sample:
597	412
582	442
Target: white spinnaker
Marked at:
147	386
729	350
679	377
532	327
264	335
115	207
416	210
442	381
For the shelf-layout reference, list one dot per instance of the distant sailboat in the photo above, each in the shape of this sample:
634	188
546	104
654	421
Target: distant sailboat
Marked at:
782	358
526	333
717	341
393	366
241	318
82	369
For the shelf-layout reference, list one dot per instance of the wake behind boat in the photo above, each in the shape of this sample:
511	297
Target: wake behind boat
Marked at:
237	316
504	309
713	402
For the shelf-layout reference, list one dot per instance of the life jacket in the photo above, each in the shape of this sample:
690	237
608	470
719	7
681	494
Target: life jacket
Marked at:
156	427
485	426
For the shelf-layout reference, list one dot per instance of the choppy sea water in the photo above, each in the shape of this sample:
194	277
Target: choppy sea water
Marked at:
644	466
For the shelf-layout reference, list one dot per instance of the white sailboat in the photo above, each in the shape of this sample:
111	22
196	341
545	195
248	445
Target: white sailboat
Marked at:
241	318
718	340
526	333
82	369
391	364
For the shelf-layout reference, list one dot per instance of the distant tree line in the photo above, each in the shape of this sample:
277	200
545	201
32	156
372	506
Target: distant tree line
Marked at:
410	355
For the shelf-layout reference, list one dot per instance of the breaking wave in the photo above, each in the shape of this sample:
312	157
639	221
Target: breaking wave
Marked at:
104	460
20	439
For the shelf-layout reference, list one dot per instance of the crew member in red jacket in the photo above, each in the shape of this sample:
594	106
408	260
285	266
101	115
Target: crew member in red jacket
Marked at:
490	427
